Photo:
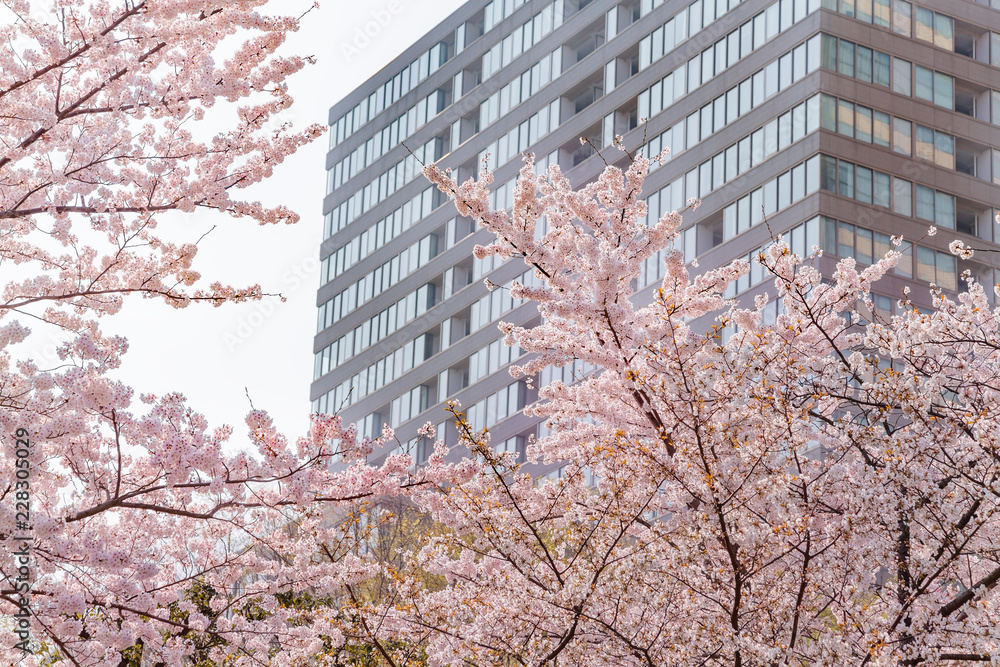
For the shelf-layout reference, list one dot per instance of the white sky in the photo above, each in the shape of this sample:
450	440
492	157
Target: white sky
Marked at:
212	354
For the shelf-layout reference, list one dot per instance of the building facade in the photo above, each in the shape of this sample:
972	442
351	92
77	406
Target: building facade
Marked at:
842	122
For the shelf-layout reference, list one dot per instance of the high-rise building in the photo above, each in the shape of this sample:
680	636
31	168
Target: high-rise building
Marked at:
842	122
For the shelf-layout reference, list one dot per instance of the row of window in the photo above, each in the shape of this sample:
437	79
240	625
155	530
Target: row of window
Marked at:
801	240
373	238
687	22
520	89
776	135
739	43
856	61
517	140
522	38
491	359
776	194
409	405
870	66
379	279
777	75
497	406
385	95
844	239
498	10
872	187
386	139
494	304
386	184
382	324
879	128
377	375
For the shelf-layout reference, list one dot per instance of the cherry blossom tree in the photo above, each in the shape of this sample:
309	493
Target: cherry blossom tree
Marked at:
817	491
132	532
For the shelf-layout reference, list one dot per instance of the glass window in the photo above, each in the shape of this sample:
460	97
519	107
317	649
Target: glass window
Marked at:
864	185
784	71
902	197
926	268
828	173
880	128
864	64
845	58
924	84
784	130
864	10
880	71
828	112
829	53
847	7
901	131
798	182
944	32
845	118
901	76
944	150
944	210
946	269
845	179
845	239
863	127
863	246
901	12
771	79
881	13
925	203
880	190
924	143
924	24
944	90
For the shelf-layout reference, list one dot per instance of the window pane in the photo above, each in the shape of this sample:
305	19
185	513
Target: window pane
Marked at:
901	76
845	118
925	203
828	113
944	92
864	185
924	143
845	240
944	32
864	124
880	128
880	195
880	74
925	24
864	64
880	13
946	271
925	84
829	52
902	197
901	17
926	264
845	179
944	210
828	173
944	150
901	131
863	243
845	60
